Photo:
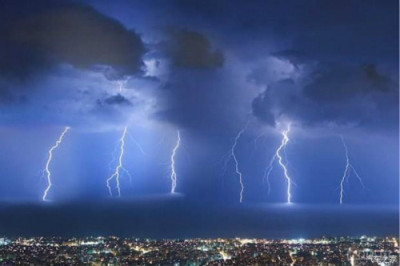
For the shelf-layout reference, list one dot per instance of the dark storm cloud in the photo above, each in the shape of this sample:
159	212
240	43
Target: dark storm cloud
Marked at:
192	95
44	34
52	50
342	46
338	30
117	100
338	50
344	58
332	95
196	99
112	110
190	49
337	83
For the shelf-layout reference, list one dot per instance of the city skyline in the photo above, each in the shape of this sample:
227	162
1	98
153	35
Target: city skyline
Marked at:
221	251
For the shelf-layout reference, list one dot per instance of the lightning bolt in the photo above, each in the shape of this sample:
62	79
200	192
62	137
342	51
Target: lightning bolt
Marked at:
119	167
50	157
268	171
349	167
284	142
281	162
233	155
173	172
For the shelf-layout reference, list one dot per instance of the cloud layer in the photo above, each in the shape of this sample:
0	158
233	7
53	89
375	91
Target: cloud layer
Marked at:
316	64
54	33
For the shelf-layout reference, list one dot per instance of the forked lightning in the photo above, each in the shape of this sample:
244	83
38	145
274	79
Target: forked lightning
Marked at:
118	168
282	163
346	172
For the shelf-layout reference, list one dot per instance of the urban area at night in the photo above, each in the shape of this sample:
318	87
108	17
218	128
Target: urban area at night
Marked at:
131	251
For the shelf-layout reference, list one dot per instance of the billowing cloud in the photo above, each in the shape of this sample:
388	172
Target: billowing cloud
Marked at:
51	33
199	100
193	90
317	69
190	49
51	52
333	95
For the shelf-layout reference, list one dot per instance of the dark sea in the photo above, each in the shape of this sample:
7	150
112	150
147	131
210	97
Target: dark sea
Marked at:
162	217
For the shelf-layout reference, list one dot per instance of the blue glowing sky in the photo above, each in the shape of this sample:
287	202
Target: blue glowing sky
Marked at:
205	68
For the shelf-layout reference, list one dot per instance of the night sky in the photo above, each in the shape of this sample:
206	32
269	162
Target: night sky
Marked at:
327	69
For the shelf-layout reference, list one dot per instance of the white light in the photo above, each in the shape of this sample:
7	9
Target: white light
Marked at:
237	163
173	171
50	157
346	172
116	173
